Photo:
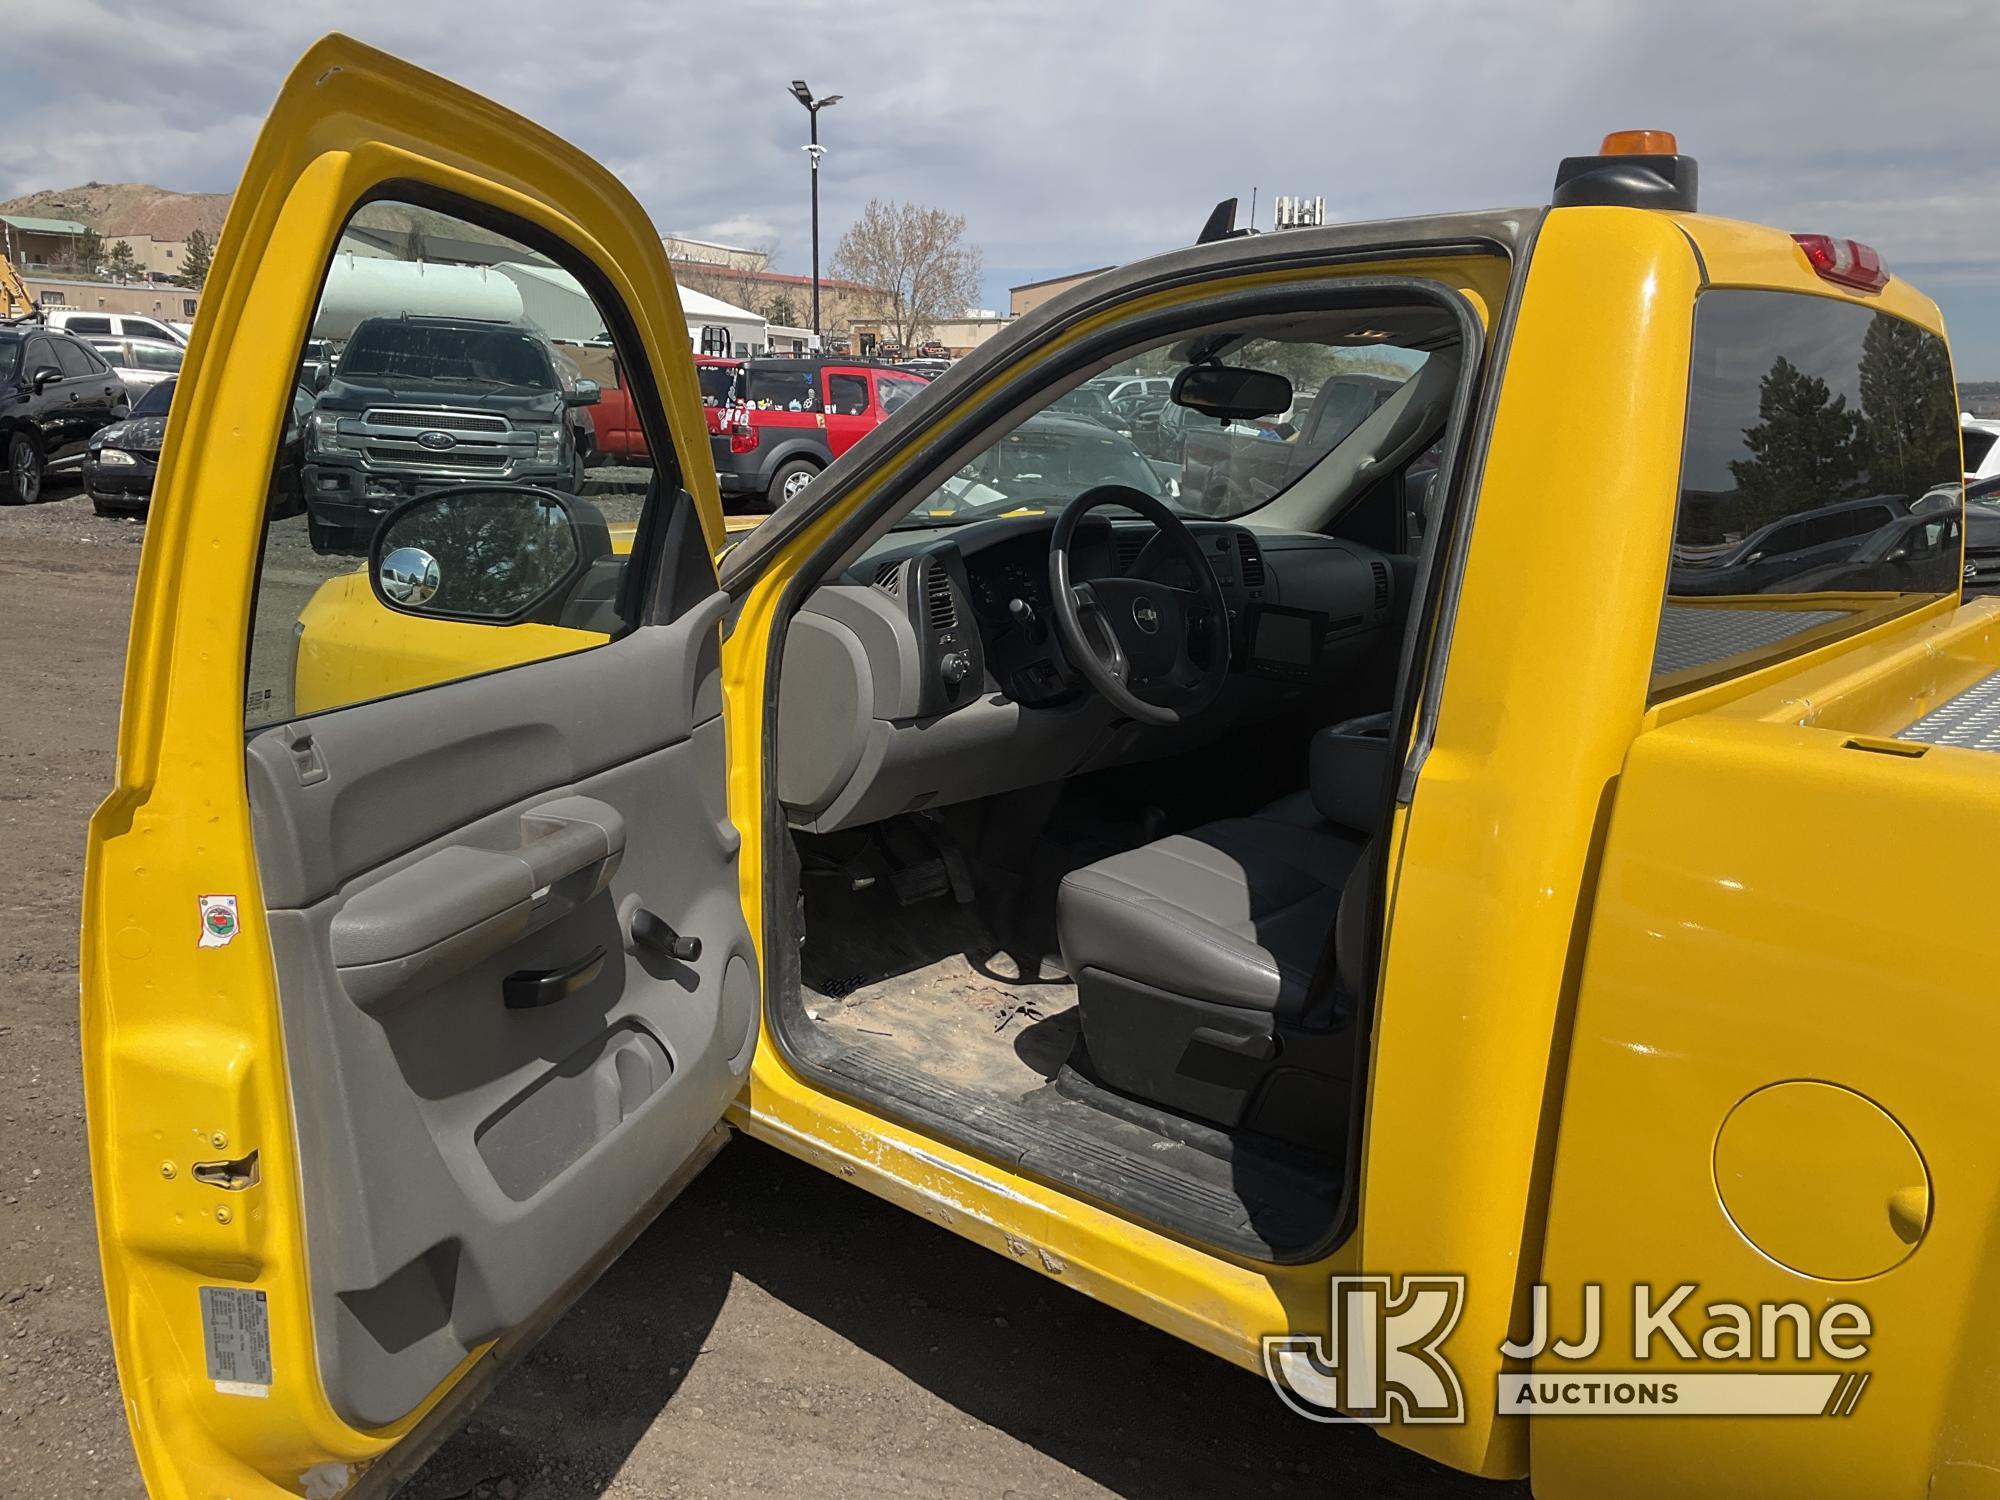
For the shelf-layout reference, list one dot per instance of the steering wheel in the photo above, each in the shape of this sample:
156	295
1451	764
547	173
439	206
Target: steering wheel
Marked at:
1129	633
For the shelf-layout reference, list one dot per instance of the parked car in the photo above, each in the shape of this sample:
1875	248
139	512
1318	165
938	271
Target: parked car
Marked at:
1981	438
414	401
109	325
790	418
1118	387
1805	542
55	391
123	458
1982	535
929	368
141	363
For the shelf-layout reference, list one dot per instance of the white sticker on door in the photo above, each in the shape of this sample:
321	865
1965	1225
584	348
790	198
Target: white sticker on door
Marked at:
237	1334
218	920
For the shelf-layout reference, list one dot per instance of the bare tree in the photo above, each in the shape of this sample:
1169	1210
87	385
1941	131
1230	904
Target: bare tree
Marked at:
917	259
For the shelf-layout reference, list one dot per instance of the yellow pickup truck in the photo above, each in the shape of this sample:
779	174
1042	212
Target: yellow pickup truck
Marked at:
1469	913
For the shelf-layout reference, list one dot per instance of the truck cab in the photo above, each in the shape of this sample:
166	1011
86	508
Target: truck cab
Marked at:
1392	926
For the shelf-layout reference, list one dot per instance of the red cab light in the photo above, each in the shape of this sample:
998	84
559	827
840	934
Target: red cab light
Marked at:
1844	262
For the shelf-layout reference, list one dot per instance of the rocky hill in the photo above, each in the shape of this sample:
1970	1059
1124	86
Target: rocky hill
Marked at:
127	208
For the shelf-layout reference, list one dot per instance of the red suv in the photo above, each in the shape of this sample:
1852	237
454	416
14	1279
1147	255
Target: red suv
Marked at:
790	418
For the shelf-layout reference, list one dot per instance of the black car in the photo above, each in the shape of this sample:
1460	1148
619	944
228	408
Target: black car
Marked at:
1772	558
124	457
55	391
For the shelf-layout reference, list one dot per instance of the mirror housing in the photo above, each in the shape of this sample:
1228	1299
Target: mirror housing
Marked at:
486	554
41	375
1231	392
583	393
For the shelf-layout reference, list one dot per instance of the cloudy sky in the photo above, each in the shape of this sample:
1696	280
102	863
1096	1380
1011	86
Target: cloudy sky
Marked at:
1073	134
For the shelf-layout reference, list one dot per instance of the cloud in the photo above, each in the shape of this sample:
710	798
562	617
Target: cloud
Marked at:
1075	134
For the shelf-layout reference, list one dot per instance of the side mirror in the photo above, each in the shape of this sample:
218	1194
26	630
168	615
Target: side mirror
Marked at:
486	554
1231	392
583	393
41	375
322	376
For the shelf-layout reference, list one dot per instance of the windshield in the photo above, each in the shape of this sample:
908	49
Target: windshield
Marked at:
1324	387
155	402
445	353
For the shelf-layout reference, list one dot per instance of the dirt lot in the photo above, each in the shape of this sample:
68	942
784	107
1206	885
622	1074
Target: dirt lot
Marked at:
775	1333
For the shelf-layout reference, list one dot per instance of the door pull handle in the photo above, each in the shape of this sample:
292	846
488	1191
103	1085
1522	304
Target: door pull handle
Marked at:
529	989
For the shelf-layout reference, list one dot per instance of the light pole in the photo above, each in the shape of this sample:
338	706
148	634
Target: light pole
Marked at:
813	106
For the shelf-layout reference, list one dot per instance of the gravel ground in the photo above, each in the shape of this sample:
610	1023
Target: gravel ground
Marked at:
776	1332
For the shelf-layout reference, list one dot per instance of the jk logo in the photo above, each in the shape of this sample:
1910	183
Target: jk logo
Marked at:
1381	1360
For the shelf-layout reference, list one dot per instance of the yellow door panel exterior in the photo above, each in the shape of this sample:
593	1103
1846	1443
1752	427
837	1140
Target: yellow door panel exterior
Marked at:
184	1060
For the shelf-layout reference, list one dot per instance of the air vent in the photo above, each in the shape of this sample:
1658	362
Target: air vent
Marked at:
1381	585
889	577
1129	545
939	604
1253	560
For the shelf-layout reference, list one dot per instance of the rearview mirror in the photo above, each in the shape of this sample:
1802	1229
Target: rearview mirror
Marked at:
41	375
1231	392
583	393
486	554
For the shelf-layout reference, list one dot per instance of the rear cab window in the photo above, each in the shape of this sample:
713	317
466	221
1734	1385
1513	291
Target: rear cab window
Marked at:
1815	430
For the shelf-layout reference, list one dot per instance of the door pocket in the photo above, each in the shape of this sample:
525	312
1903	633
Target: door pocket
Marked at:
549	1126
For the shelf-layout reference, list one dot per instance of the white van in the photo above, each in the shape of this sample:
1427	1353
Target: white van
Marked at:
110	325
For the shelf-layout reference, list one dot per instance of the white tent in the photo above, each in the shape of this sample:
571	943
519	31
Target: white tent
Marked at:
717	327
556	303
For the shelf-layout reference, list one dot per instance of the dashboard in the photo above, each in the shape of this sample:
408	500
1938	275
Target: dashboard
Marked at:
929	672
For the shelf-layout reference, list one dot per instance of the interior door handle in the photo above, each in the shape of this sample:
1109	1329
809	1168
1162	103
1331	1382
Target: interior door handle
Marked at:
529	989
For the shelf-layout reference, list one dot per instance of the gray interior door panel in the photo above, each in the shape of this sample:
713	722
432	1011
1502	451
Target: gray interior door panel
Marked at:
490	1076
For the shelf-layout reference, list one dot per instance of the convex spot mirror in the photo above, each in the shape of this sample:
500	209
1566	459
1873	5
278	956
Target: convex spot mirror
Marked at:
486	554
1231	392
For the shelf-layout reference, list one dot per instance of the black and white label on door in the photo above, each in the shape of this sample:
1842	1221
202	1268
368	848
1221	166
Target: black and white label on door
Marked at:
237	1333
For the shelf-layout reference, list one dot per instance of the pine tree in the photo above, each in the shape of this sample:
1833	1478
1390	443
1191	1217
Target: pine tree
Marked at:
194	264
1805	449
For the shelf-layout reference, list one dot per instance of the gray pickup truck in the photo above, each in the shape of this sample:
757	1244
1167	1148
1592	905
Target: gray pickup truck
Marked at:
415	403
